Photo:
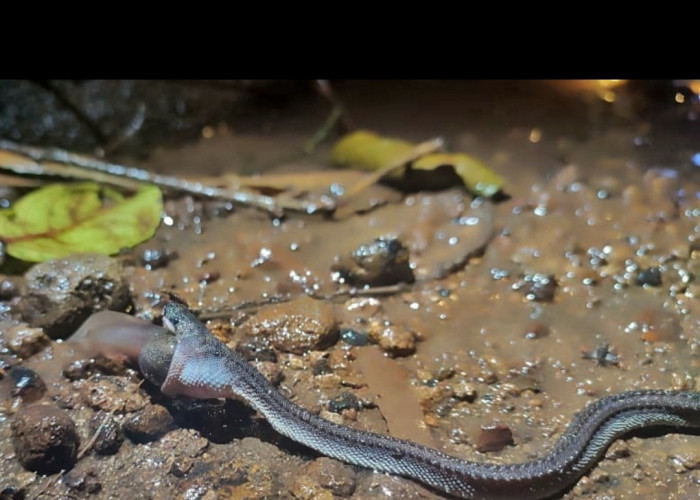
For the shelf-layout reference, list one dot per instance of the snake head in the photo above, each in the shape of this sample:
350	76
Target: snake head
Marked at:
198	365
180	320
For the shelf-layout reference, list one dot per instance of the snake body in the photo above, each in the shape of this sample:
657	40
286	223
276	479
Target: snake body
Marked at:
194	363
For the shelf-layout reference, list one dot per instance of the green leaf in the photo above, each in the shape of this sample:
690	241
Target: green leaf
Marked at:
60	219
369	151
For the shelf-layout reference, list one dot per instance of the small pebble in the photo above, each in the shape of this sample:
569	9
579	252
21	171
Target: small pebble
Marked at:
181	466
305	488
110	437
79	369
464	391
12	493
354	337
156	257
603	355
619	449
271	371
537	287
649	277
431	420
9	289
256	350
444	407
384	261
393	339
27	384
345	401
321	367
84	479
149	424
24	340
45	439
494	437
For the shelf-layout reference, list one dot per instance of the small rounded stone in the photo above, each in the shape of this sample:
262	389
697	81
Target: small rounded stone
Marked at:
45	439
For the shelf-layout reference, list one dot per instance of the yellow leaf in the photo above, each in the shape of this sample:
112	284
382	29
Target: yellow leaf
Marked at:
369	151
477	177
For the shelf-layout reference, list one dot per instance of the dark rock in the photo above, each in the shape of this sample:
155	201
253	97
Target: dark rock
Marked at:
9	289
537	287
109	437
603	355
79	369
12	493
154	258
256	350
83	479
297	326
45	439
354	337
62	293
181	466
346	401
149	424
321	366
494	437
27	384
649	277
385	261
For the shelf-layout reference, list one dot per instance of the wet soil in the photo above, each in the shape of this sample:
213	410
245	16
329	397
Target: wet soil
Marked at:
583	282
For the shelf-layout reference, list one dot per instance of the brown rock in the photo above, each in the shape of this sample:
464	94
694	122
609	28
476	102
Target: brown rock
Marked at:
494	437
393	339
384	261
45	439
112	394
62	293
296	326
24	340
149	424
333	476
83	478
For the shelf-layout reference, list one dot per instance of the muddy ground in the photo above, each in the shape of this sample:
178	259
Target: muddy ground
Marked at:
582	282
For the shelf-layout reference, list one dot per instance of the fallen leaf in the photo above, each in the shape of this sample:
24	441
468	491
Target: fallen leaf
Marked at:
477	177
395	158
370	151
57	220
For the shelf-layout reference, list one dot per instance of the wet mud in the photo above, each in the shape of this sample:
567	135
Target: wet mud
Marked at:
494	321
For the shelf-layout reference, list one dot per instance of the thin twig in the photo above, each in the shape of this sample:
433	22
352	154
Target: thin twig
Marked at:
29	160
95	435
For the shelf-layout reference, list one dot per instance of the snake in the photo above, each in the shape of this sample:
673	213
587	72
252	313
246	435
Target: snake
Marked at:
186	359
